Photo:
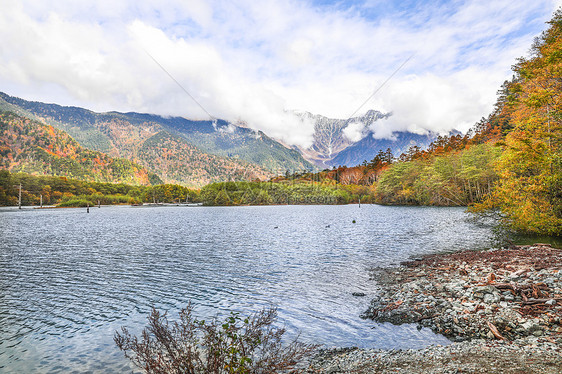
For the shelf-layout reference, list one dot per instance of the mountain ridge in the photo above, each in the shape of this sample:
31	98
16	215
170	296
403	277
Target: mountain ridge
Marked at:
367	147
123	136
333	144
100	131
336	142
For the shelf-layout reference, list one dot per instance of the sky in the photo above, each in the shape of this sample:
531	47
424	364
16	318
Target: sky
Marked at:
260	61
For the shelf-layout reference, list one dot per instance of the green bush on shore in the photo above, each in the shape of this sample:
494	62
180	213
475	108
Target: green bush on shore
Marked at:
286	192
75	203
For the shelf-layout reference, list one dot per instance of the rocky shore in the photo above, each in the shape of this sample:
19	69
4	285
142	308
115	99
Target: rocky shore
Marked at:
502	308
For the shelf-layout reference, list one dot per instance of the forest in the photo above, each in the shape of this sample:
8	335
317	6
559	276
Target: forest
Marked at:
33	147
64	192
290	191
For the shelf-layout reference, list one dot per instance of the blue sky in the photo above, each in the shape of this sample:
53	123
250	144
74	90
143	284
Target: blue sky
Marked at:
257	61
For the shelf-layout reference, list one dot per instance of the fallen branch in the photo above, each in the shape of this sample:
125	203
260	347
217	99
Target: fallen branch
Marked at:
494	330
534	301
427	317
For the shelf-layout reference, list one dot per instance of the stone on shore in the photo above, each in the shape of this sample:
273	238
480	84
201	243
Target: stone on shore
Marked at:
502	308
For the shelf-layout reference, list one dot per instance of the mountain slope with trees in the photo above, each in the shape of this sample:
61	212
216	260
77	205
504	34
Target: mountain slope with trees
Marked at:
132	136
33	147
120	134
167	153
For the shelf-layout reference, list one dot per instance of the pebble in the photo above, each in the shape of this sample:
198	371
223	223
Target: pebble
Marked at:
456	295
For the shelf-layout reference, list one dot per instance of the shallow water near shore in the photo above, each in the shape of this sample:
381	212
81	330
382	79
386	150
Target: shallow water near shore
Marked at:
69	279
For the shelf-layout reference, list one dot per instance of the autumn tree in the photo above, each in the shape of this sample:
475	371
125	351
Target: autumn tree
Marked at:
530	168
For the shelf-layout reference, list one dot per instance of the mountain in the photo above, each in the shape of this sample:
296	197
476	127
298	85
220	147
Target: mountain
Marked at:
136	137
330	136
166	153
33	147
368	147
122	134
349	141
229	140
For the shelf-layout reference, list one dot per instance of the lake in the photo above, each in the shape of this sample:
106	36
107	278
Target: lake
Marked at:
69	279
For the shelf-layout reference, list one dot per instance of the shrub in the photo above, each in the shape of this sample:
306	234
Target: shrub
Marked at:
236	345
75	202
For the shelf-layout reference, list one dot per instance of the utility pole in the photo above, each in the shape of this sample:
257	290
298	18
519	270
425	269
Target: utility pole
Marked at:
19	198
41	200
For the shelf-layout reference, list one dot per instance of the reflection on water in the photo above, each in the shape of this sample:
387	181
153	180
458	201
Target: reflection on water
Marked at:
556	242
69	279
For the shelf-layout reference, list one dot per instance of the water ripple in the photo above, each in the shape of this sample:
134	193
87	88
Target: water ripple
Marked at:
69	279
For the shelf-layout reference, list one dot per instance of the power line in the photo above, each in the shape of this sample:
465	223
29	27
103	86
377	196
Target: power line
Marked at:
179	85
381	86
214	118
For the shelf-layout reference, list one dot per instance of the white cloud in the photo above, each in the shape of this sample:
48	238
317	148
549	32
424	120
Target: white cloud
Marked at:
437	103
354	131
254	61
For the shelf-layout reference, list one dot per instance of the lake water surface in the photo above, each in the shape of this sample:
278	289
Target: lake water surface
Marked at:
69	279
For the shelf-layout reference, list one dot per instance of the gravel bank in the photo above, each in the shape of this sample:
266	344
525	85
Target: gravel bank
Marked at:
502	308
479	356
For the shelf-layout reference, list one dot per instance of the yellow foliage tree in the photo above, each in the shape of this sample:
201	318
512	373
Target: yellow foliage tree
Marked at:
529	191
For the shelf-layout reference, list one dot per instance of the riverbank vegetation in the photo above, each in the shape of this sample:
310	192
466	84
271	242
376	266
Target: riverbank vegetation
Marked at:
529	188
65	192
455	179
286	191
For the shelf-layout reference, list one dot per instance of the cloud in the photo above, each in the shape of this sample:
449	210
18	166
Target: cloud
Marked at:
354	131
257	61
437	103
